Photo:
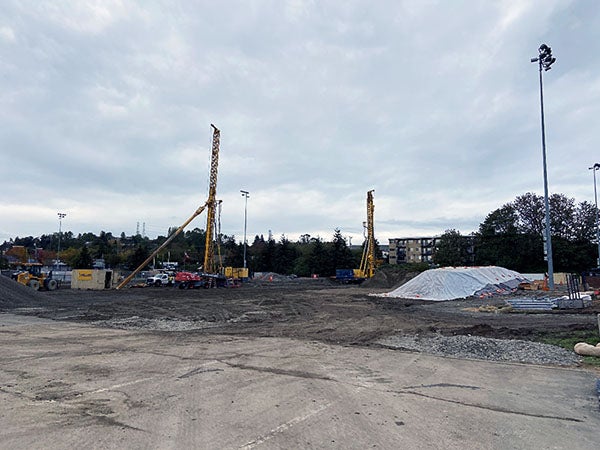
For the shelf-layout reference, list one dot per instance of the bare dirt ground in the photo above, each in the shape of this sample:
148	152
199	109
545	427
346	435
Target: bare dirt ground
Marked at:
287	364
314	310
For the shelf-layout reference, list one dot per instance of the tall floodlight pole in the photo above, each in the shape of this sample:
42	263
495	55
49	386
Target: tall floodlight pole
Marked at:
594	168
545	60
245	194
61	216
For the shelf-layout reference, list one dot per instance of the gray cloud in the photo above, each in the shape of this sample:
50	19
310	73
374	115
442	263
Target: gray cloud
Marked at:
106	111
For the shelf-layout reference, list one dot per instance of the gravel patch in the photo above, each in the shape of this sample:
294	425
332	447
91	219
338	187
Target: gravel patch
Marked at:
140	323
173	324
477	347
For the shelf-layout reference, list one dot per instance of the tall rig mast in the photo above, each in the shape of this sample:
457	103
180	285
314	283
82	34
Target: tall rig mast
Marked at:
210	204
367	263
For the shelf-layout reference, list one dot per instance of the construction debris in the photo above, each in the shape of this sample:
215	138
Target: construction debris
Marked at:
535	285
550	303
533	304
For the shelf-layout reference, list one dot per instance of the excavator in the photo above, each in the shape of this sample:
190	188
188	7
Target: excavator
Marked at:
210	273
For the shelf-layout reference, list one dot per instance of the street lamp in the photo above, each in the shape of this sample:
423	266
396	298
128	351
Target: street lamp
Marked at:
245	194
545	60
594	168
61	216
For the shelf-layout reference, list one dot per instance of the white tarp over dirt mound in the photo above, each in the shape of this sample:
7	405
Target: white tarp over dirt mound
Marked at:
450	283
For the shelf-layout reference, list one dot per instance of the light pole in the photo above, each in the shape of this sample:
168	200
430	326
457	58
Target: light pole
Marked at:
594	168
61	216
245	194
545	60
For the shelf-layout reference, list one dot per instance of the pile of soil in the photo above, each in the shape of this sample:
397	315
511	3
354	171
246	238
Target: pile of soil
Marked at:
16	295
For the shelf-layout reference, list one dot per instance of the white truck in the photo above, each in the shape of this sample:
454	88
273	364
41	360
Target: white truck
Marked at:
160	279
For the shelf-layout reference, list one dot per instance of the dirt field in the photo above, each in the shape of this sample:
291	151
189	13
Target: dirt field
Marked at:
287	364
304	309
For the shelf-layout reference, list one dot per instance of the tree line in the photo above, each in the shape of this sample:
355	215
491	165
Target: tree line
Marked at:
512	236
305	257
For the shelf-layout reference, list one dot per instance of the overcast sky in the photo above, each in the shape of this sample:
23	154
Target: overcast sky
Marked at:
106	109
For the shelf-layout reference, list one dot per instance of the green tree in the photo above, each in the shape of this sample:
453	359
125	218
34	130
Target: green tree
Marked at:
452	249
83	260
340	256
500	243
529	213
318	259
138	257
562	216
285	256
233	253
584	223
255	254
70	256
268	256
511	236
113	260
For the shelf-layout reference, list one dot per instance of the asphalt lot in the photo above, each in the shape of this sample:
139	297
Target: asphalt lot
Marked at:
73	385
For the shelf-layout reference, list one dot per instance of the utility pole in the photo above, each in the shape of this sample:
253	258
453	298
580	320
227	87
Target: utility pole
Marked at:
594	168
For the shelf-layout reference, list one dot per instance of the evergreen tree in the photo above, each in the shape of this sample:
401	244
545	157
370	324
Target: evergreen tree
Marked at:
340	256
138	257
285	256
84	259
317	259
256	254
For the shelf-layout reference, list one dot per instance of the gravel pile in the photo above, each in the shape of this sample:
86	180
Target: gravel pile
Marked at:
477	347
13	294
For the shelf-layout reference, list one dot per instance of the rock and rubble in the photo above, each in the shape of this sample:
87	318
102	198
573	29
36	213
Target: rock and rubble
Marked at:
490	349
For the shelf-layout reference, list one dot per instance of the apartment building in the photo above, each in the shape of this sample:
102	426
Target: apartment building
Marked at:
412	249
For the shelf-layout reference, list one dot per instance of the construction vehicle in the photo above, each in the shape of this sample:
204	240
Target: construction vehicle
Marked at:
209	267
196	280
160	279
367	262
31	275
188	280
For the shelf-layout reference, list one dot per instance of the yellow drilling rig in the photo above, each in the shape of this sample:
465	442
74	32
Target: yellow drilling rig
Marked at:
367	262
209	266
